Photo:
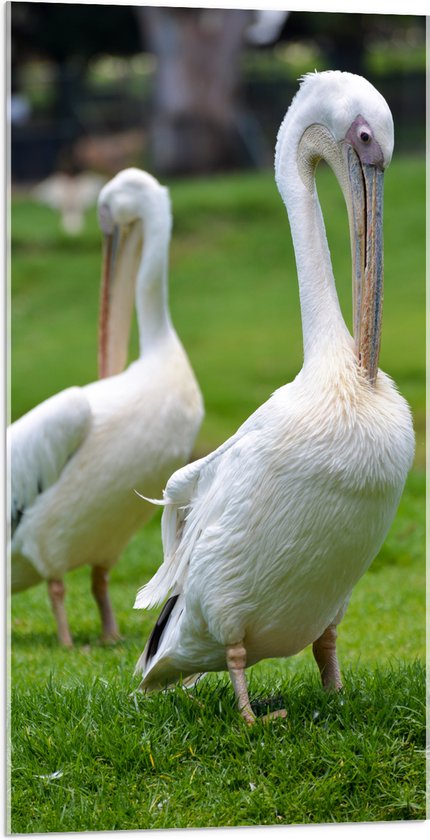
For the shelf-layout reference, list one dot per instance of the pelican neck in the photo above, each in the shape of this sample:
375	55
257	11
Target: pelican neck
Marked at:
152	308
323	325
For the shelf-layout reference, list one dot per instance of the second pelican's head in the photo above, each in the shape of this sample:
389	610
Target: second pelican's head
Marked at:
132	207
342	119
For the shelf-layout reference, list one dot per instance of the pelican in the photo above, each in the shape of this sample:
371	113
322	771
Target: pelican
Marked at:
71	196
265	538
77	458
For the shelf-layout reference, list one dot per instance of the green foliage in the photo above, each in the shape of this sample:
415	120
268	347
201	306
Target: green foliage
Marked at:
185	759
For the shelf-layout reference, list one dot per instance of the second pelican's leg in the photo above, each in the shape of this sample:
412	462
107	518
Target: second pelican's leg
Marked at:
56	592
324	650
236	663
99	588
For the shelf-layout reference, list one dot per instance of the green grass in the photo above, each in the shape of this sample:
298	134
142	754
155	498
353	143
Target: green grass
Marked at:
183	760
166	760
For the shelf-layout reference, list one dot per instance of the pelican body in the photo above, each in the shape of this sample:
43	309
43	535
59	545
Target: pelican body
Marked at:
265	538
78	458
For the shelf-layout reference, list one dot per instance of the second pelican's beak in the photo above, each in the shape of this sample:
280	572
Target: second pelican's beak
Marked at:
366	183
121	251
110	249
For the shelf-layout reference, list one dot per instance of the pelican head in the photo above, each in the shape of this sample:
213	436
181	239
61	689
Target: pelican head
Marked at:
342	119
133	206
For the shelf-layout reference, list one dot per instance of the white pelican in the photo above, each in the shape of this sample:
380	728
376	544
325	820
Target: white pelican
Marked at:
71	195
77	458
265	538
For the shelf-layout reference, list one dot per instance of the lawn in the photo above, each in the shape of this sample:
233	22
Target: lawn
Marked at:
85	753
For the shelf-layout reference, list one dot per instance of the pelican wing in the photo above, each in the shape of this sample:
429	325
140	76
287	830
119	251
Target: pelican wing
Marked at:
41	442
182	491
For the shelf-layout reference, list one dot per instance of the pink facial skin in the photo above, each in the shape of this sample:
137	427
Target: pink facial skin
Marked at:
361	138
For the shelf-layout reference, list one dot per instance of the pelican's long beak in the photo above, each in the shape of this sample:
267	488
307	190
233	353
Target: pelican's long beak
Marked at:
110	251
366	183
121	252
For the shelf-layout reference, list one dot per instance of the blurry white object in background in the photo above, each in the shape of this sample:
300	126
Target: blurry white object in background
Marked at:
266	27
18	110
71	195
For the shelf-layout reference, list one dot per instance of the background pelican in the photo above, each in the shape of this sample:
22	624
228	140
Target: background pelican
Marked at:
77	458
265	538
71	195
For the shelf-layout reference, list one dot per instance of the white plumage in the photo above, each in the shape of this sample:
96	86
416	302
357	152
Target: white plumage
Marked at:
77	459
266	537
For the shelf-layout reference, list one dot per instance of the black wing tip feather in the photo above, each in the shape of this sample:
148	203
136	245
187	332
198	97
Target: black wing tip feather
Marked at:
160	625
18	510
15	517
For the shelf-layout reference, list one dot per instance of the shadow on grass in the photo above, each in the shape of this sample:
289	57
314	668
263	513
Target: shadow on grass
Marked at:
27	641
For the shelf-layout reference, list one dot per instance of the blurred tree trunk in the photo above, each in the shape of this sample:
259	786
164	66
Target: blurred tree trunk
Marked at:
195	125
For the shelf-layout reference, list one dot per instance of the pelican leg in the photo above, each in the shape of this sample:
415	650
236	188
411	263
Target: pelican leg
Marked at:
56	592
236	663
324	650
99	588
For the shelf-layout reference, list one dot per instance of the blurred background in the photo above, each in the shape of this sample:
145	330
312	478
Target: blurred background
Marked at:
188	91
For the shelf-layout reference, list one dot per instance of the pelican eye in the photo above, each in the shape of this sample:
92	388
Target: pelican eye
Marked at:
364	136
